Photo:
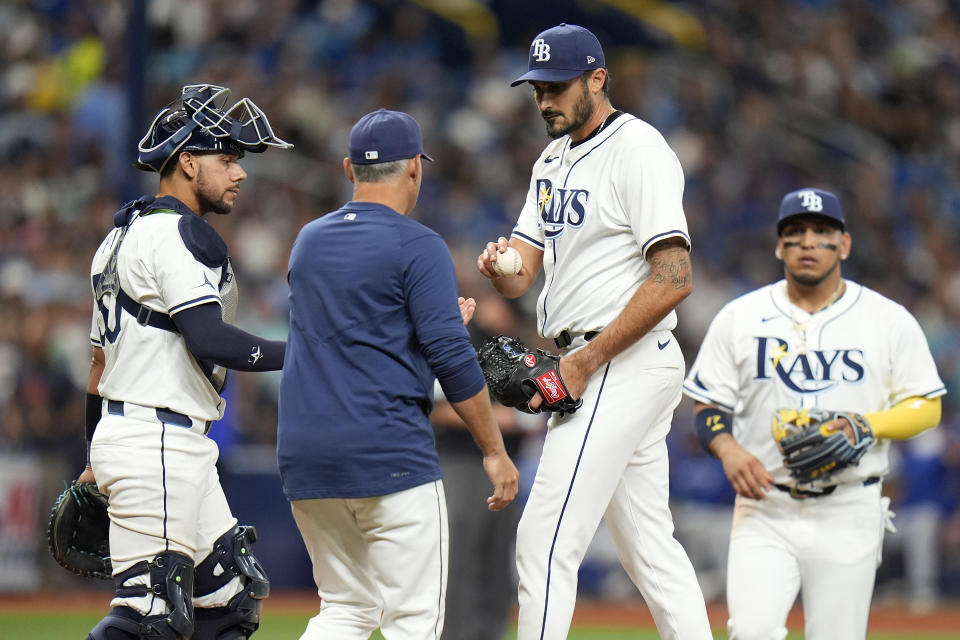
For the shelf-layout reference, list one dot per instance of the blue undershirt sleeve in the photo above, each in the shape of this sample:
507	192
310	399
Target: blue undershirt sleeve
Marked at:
431	293
208	337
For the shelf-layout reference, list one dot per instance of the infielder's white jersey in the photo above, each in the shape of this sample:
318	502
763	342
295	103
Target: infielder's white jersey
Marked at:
146	365
863	353
582	199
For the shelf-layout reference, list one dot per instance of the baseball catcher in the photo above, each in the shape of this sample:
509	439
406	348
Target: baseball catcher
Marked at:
77	531
515	374
161	341
814	442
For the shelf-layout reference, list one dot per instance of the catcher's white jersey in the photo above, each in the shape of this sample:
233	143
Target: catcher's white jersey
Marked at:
863	353
146	365
595	208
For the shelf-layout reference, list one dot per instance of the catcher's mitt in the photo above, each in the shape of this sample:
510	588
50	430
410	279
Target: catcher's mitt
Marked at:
515	374
810	451
77	531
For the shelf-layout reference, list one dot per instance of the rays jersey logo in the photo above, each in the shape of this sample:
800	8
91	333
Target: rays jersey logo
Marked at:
560	208
811	372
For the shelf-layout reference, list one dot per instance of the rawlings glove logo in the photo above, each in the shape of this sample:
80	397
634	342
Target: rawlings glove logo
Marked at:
515	375
550	386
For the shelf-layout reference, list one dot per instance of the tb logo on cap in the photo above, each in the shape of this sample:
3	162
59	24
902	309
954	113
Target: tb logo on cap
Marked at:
810	201
541	50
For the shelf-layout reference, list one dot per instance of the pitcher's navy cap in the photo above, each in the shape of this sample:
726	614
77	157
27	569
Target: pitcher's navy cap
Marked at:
385	136
561	53
809	201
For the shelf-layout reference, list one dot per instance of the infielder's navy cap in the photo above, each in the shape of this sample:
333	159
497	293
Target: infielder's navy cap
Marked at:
385	136
809	201
561	53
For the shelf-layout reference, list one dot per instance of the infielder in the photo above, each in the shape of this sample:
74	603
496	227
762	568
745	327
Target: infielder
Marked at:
373	324
810	341
164	295
604	219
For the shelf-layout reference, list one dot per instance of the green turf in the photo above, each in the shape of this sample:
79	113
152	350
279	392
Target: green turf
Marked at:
280	626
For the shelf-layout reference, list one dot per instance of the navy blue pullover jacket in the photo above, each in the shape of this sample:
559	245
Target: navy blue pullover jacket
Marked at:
373	321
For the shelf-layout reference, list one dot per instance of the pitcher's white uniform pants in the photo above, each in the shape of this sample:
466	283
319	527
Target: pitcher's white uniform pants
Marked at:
609	460
831	545
378	562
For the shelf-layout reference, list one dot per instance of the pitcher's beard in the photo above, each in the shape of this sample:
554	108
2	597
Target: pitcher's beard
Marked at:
581	114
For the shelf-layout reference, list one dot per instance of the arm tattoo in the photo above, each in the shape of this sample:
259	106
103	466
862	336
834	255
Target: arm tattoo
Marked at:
670	263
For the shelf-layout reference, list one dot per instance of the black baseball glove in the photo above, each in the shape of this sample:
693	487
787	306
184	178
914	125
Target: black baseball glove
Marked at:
810	451
515	374
77	531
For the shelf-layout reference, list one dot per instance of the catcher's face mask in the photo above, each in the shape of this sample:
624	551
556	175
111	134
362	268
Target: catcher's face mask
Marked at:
202	122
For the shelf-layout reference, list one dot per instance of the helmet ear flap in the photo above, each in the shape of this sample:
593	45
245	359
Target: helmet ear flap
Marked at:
170	130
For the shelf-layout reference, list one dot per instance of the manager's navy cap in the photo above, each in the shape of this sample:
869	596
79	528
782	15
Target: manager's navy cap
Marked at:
561	53
385	136
810	201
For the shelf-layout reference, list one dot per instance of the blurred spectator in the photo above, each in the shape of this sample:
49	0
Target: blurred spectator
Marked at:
918	479
702	505
950	533
481	585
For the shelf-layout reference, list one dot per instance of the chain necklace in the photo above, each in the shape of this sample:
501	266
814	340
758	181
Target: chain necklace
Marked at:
801	326
613	115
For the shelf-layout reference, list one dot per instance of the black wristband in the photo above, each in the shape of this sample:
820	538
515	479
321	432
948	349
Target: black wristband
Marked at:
94	409
709	423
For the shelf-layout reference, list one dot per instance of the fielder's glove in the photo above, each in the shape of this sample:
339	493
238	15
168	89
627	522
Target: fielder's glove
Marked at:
77	531
515	374
810	451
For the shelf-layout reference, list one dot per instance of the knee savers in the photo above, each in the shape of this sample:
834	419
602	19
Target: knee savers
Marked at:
171	578
122	623
236	621
232	556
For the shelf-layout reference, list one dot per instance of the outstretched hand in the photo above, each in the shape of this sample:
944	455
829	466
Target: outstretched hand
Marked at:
504	477
467	308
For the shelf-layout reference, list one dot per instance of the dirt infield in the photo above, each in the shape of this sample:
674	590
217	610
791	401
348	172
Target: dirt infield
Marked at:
883	617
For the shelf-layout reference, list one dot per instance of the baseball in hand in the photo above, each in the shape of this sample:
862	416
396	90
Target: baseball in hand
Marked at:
508	263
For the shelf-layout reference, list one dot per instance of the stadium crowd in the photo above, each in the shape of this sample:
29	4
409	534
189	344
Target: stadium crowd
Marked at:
756	98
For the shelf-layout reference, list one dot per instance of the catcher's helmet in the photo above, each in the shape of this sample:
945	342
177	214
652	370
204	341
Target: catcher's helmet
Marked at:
202	123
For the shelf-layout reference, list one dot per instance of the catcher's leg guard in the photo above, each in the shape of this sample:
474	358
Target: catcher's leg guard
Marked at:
122	623
232	556
171	578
